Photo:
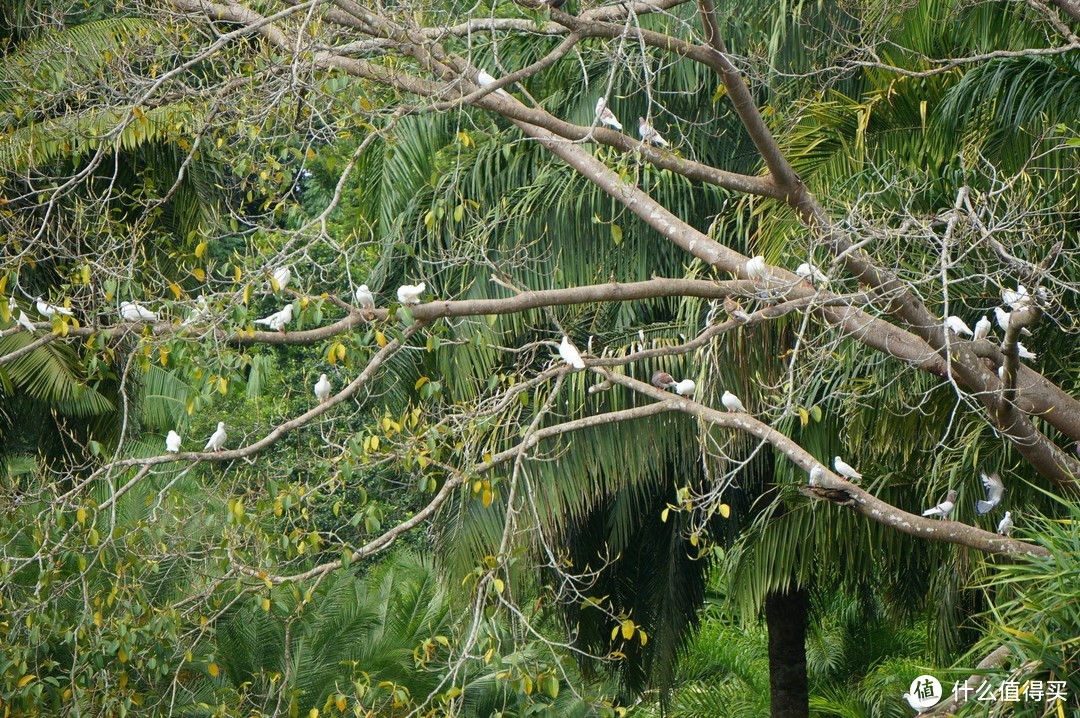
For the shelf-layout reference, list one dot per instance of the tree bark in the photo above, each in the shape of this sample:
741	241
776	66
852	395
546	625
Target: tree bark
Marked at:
785	616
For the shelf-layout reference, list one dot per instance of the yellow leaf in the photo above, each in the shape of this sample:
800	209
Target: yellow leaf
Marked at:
97	619
499	585
222	385
214	670
663	516
122	655
81	515
237	274
331	354
614	632
247	294
175	289
266	604
340	702
26	679
804	416
374	443
627	627
380	339
725	510
3	283
163	354
420	382
199	273
341	352
200	250
487	497
643	637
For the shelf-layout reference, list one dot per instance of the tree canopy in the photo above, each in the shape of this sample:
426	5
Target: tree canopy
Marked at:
373	359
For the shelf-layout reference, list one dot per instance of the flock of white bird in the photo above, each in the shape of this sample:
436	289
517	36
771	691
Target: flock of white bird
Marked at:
755	268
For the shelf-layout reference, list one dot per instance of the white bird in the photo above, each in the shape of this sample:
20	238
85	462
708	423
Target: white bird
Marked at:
1024	353
322	389
1005	526
24	321
47	310
485	80
994	490
942	510
364	297
570	354
811	273
755	267
606	116
201	313
172	442
914	702
133	312
1003	318
846	470
957	325
731	402
982	328
217	439
649	134
686	387
816	475
19	315
1020	299
278	320
410	294
281	276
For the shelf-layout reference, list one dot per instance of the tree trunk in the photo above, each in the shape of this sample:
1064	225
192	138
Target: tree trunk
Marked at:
785	615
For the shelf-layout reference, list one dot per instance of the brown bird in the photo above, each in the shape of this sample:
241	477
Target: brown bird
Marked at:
662	379
735	310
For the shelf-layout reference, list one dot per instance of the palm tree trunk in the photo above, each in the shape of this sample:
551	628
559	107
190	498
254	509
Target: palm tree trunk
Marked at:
785	616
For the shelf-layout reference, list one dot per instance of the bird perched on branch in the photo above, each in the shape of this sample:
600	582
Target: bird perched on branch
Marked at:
323	389
570	354
19	315
662	379
846	470
485	80
410	293
365	298
811	273
957	326
1020	299
604	115
1005	526
47	310
134	312
755	267
816	475
217	439
278	320
172	442
201	313
686	387
731	402
1003	319
982	328
1024	353
280	278
942	510
735	310
649	134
